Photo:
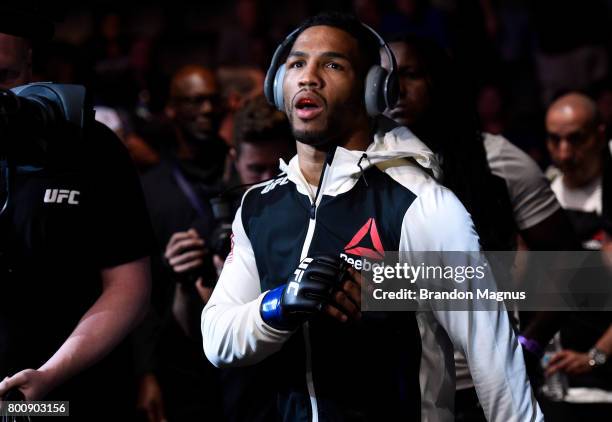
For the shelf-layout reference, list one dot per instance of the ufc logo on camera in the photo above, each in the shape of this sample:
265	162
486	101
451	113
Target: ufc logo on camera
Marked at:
298	273
58	196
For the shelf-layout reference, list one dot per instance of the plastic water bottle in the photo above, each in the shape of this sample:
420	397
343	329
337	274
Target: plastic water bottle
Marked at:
555	385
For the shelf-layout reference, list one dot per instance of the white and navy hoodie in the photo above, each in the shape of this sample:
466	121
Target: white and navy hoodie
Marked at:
373	370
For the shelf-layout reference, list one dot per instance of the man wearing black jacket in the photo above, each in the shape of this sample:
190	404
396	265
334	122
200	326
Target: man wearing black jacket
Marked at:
178	193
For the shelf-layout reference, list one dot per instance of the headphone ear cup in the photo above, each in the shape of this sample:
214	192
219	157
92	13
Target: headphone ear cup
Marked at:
392	90
375	100
279	100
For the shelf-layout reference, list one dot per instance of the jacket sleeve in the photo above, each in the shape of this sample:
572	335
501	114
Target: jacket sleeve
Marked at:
437	221
233	331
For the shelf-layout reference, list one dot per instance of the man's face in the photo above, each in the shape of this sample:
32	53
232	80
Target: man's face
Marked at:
575	144
258	162
196	105
414	96
323	87
14	61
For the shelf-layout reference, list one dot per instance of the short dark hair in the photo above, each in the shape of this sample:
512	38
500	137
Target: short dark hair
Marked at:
259	122
369	45
452	130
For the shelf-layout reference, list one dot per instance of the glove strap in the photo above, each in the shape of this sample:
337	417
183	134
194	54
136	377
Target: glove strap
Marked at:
271	309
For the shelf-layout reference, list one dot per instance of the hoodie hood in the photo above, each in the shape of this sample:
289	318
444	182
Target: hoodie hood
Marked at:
393	145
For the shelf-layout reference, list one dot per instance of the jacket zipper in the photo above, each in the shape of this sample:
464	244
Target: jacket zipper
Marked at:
309	380
305	247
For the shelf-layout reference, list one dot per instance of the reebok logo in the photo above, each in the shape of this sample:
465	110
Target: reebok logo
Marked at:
294	285
58	196
366	244
357	245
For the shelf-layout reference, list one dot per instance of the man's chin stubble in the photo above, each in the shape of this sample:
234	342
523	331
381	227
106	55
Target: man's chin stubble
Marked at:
309	137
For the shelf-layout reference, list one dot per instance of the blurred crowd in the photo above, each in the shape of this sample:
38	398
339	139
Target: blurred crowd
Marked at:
518	55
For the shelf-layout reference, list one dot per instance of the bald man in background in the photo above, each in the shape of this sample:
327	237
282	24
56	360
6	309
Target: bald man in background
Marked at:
576	141
577	145
178	193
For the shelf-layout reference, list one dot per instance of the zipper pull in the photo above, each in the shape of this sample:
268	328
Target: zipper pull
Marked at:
313	211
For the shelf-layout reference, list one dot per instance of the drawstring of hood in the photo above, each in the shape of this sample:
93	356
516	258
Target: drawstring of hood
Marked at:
392	149
364	155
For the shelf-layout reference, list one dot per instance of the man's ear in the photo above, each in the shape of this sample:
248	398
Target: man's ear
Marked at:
233	154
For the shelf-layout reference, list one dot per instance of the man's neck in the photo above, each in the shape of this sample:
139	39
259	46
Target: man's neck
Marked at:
594	174
189	148
312	160
184	148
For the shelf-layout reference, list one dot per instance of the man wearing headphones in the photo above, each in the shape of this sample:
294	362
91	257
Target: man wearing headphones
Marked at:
288	301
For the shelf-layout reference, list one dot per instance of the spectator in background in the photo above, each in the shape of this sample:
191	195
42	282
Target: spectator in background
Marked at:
261	137
578	146
178	193
502	188
238	85
490	105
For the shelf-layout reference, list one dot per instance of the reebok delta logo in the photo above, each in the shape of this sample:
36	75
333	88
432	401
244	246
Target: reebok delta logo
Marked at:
357	245
58	196
366	244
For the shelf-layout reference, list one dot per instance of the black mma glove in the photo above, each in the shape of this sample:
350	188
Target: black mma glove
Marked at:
306	293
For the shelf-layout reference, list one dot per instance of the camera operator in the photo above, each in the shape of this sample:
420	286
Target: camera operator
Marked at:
262	136
178	193
74	273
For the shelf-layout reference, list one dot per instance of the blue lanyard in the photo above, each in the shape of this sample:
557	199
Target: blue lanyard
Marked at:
187	189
